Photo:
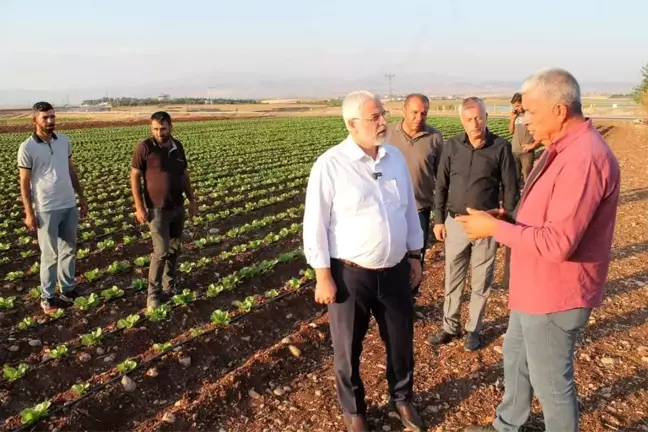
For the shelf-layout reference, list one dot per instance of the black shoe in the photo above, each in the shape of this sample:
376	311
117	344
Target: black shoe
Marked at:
409	417
472	341
169	292
480	429
441	338
69	296
357	423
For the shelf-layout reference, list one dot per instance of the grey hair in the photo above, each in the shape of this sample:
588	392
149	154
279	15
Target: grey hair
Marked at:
353	103
558	85
473	100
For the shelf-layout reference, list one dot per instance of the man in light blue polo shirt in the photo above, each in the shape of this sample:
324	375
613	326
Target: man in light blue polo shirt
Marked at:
48	181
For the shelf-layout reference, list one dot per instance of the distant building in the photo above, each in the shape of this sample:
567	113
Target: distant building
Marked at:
163	97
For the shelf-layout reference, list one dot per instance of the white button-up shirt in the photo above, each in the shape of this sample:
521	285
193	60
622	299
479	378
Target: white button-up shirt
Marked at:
350	214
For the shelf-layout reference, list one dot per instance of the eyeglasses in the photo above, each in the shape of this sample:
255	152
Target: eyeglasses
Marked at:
376	117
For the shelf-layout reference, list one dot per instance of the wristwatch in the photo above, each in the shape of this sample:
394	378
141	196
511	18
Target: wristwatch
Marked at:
416	256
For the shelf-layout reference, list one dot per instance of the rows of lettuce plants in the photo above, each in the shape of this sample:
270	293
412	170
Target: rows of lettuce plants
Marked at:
240	254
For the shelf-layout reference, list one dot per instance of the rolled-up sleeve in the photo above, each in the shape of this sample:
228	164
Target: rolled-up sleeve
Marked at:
577	193
317	216
414	231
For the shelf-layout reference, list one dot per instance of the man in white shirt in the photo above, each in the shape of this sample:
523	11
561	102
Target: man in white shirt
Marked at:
363	237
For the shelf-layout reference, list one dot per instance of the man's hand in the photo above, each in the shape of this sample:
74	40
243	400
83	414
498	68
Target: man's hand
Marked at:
498	213
529	147
193	209
416	272
439	232
83	207
325	290
30	221
141	215
478	224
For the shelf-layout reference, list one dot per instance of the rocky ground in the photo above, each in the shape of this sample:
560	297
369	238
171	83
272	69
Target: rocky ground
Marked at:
455	388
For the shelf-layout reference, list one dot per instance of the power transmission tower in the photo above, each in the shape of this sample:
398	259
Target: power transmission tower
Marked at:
389	79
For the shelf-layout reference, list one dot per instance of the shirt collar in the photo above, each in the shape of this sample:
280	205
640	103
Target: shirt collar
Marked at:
487	142
353	150
426	130
571	135
173	144
40	140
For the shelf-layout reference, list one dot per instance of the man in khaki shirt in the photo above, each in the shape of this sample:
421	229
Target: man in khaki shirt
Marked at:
421	145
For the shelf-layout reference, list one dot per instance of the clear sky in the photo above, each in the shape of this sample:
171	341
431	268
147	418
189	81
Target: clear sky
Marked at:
91	44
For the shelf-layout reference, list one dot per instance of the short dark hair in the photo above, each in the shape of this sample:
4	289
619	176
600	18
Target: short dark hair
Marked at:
42	107
517	98
161	117
418	96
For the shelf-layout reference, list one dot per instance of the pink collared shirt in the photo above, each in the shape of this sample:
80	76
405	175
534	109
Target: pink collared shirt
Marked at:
561	241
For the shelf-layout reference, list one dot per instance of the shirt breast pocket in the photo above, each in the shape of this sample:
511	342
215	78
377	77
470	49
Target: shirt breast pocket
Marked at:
394	193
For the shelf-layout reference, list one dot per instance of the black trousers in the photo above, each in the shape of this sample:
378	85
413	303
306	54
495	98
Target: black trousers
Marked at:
424	218
388	296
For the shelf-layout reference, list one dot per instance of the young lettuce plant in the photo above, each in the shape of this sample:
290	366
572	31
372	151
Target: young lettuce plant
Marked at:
26	323
126	366
86	303
7	303
245	305
220	317
57	314
92	275
58	352
159	313
32	415
112	293
81	388
184	298
139	284
162	347
14	373
92	338
142	261
118	267
128	322
271	293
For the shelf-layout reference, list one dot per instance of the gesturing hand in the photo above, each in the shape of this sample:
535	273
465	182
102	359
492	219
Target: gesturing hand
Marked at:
478	224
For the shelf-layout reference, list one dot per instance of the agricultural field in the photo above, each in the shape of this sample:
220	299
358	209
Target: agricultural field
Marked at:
243	346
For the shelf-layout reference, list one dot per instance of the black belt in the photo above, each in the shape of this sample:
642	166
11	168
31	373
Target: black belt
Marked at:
354	265
454	215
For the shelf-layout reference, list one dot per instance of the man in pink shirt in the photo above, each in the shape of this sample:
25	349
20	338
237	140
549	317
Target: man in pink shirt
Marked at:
560	244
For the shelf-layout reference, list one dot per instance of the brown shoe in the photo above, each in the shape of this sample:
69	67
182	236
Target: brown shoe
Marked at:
409	417
356	423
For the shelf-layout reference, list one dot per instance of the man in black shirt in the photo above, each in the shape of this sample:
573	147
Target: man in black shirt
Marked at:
161	162
474	166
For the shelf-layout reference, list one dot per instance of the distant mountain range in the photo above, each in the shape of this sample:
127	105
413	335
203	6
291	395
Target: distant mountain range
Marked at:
266	87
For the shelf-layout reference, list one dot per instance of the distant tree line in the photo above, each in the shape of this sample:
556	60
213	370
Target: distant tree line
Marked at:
131	101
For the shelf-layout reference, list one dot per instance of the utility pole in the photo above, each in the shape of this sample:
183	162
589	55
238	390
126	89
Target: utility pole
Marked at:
209	94
389	79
